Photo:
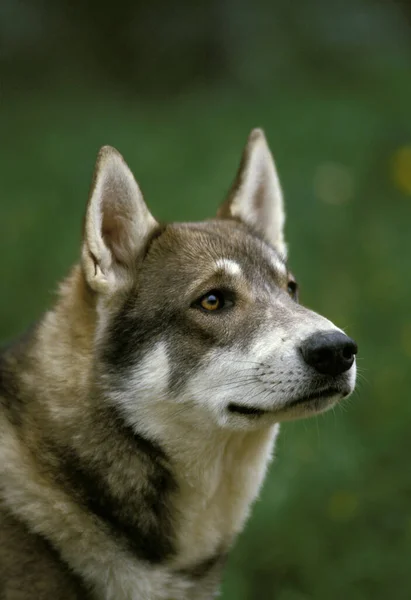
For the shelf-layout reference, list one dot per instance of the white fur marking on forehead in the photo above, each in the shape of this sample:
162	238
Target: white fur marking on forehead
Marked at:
228	265
278	264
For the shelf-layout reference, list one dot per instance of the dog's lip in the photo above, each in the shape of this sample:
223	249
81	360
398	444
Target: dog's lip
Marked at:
322	394
318	395
250	411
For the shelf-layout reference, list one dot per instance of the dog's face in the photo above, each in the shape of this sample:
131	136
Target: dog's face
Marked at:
200	322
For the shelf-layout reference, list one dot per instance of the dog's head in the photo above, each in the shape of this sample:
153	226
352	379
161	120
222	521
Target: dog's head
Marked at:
201	321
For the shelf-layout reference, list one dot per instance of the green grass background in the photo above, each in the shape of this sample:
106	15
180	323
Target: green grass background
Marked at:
334	518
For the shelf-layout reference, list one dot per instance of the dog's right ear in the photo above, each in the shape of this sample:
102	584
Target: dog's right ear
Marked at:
255	197
117	224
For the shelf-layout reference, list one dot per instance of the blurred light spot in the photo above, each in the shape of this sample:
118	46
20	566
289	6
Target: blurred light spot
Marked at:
342	506
333	183
401	169
406	338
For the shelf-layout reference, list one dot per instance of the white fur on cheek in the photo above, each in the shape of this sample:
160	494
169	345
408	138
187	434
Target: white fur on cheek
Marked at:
216	384
144	387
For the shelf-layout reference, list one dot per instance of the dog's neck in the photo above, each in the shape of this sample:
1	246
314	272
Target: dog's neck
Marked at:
218	471
219	476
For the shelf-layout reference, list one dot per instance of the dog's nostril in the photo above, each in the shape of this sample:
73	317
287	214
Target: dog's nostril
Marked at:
329	353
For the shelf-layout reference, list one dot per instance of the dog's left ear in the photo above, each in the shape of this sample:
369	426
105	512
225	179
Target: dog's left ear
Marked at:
117	224
255	197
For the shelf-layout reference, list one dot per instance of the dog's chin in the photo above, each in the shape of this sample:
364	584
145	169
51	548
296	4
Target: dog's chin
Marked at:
312	403
302	406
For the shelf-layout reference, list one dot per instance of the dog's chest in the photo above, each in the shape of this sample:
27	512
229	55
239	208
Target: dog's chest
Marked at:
133	581
216	495
211	507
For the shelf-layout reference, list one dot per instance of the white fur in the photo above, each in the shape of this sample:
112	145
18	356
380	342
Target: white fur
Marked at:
229	266
277	264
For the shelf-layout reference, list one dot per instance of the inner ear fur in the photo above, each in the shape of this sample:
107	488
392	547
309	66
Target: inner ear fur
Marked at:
117	223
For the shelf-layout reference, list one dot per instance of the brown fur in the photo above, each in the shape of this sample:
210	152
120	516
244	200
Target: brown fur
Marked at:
30	568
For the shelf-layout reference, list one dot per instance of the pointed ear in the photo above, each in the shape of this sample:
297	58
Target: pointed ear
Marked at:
117	223
255	197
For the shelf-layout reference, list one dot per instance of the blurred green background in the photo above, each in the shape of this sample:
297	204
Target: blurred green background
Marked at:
176	87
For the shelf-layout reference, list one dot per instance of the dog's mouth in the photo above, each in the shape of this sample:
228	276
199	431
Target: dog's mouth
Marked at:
250	411
316	397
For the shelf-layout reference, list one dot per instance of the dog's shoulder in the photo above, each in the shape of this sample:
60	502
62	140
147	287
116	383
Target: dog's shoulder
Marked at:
14	359
31	568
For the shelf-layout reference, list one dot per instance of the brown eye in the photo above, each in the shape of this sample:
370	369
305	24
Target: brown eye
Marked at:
211	301
214	300
292	289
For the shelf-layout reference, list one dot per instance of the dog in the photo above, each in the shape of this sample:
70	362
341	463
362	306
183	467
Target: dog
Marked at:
139	415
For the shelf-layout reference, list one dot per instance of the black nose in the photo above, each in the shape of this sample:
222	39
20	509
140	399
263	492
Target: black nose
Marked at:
329	352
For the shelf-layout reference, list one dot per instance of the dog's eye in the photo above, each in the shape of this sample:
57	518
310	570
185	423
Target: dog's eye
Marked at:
214	300
292	289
